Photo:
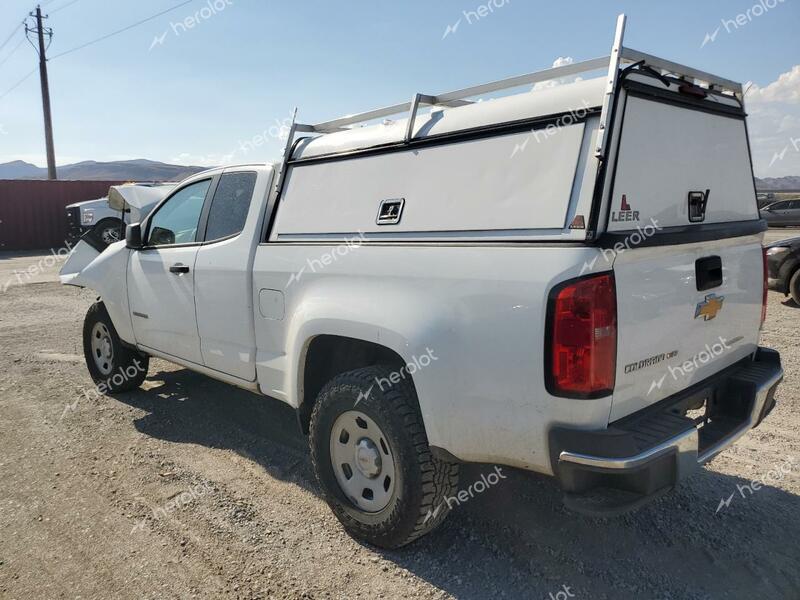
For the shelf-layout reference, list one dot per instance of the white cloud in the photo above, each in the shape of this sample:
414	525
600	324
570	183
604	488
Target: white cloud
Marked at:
563	60
785	89
789	123
559	62
774	124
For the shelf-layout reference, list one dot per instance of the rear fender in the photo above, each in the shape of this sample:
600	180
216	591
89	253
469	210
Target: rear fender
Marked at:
416	336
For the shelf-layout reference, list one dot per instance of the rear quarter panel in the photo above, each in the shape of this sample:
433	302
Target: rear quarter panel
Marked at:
480	311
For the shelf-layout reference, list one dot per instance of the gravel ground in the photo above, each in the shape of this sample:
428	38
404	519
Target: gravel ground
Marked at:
191	488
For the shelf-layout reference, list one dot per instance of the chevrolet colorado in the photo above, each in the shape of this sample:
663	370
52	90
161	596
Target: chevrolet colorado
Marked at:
568	280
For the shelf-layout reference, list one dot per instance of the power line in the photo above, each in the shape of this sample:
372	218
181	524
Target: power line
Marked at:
41	4
13	50
21	23
11	35
19	83
75	49
17	28
113	33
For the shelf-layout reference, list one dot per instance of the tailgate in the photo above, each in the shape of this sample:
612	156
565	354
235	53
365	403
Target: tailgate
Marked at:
672	335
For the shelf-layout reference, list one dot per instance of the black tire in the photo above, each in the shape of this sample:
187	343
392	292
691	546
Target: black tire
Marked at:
123	368
794	287
422	482
109	230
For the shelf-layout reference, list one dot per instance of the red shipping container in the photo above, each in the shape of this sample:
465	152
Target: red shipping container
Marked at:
32	215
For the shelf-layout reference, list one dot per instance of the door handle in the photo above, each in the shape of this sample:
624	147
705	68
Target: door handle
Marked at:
179	269
708	273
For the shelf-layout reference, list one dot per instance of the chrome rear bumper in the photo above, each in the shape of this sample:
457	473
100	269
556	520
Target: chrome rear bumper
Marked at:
652	451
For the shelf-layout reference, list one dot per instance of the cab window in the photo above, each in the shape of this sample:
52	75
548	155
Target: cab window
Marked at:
230	205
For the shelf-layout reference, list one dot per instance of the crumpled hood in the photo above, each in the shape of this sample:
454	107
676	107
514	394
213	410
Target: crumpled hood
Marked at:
89	267
140	199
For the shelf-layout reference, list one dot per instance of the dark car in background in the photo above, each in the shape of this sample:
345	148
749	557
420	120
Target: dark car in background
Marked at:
765	198
784	213
783	267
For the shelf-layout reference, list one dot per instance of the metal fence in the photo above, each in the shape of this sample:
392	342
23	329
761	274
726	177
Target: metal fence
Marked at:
32	214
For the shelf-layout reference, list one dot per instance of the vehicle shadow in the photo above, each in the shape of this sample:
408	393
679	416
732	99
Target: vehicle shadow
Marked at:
186	407
790	303
513	538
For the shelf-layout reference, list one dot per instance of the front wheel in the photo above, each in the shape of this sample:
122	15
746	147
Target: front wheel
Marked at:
113	366
371	458
110	231
794	287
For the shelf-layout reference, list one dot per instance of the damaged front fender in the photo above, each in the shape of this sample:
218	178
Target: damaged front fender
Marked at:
106	273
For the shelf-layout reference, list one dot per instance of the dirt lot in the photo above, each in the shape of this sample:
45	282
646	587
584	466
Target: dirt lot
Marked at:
191	488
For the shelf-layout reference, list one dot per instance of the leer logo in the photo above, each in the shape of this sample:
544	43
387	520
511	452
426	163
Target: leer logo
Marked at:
709	307
625	212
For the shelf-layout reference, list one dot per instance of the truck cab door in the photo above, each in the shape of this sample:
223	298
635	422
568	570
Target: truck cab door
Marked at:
161	278
224	271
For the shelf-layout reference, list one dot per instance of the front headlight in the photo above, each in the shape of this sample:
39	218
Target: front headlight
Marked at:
87	217
777	250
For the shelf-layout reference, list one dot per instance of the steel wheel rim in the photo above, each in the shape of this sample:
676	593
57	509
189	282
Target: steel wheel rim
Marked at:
110	235
362	461
102	348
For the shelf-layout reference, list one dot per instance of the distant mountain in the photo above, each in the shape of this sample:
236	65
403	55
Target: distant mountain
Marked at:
122	170
20	170
777	184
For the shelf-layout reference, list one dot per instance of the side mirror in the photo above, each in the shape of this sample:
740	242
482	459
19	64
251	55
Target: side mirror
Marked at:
133	236
160	236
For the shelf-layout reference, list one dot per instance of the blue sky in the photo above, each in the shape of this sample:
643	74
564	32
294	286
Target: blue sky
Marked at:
208	92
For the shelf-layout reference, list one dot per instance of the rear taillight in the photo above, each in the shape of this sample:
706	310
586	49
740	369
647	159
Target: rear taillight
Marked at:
582	325
764	295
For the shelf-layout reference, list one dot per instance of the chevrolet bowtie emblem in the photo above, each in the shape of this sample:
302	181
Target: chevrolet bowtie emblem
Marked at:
709	307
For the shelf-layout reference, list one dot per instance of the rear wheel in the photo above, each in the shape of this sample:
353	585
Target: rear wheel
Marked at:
794	287
112	365
372	460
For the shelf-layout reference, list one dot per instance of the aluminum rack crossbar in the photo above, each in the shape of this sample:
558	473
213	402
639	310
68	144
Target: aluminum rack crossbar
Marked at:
611	64
457	97
669	67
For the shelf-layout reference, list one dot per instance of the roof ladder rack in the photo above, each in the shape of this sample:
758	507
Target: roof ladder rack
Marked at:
611	88
611	64
455	98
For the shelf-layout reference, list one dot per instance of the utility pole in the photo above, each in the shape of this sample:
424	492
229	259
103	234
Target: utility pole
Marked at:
48	121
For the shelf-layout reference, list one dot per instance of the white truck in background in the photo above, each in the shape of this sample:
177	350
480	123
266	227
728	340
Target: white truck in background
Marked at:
107	217
568	281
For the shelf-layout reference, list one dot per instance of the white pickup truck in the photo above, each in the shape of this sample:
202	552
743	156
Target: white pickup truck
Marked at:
106	217
568	280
